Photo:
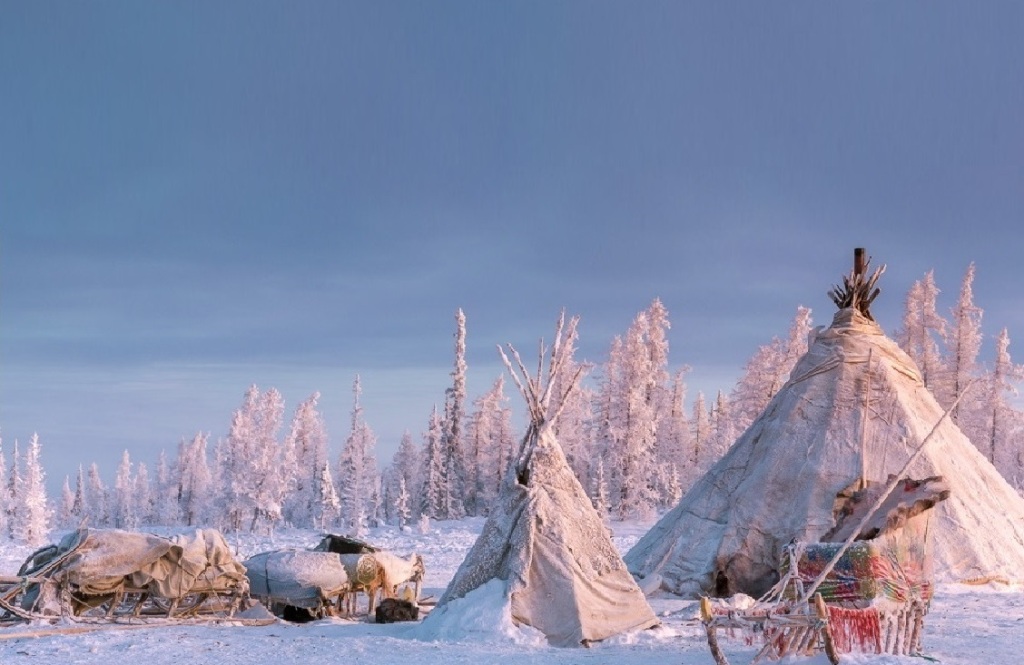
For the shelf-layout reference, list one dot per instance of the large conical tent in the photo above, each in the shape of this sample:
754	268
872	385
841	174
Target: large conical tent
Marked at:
544	539
779	480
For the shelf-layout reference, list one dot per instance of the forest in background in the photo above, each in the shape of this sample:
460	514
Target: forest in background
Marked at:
629	434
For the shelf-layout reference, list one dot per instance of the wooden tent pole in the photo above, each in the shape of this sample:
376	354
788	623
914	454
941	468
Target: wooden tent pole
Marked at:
809	591
864	428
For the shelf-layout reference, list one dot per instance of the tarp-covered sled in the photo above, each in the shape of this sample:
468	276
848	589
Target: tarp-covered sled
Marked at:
109	572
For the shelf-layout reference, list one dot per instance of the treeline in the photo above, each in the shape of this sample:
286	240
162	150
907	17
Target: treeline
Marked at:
628	434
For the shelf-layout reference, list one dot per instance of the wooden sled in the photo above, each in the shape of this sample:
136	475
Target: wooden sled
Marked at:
868	594
79	580
786	629
869	583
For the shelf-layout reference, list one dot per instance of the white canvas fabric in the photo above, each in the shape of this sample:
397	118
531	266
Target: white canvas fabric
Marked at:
101	562
778	482
562	572
296	577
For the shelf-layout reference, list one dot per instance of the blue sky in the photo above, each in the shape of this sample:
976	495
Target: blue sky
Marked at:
198	196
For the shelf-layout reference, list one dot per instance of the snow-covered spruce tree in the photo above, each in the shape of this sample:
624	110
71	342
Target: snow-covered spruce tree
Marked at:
1004	423
635	397
4	496
632	426
14	489
403	512
96	498
453	488
270	469
306	444
405	470
357	468
702	434
376	514
236	461
326	505
432	491
675	452
194	486
637	493
963	344
165	504
33	512
608	430
723	434
143	494
767	371
922	328
489	446
80	507
122	509
253	467
66	511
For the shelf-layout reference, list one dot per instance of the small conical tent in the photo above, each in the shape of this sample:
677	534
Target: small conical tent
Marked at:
779	480
546	541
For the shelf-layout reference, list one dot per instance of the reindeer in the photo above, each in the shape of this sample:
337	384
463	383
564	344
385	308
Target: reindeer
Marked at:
399	571
365	574
379	571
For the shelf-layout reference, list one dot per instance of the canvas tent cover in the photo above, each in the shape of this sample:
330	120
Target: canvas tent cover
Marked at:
777	483
104	561
301	578
545	540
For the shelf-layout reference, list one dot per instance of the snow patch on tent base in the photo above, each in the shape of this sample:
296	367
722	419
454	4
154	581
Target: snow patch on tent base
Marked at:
482	615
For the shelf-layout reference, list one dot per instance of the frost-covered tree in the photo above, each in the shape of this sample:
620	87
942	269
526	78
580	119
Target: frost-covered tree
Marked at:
236	460
33	511
702	435
4	496
254	468
676	444
453	485
327	505
143	494
403	513
767	371
66	511
489	447
193	481
80	508
1004	424
306	447
723	434
357	468
165	503
963	345
405	470
271	468
14	489
634	400
921	332
96	498
122	510
432	492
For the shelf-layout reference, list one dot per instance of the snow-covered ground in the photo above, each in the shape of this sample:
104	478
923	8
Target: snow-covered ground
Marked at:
967	625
